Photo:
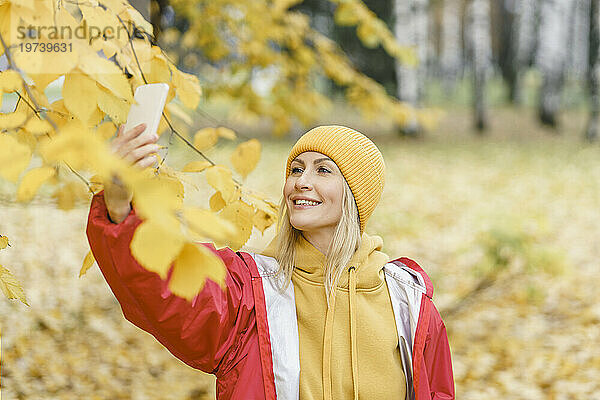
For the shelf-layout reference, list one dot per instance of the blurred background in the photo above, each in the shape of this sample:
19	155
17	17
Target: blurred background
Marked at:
486	113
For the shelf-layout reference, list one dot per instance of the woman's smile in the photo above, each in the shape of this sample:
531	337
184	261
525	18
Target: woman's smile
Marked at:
302	203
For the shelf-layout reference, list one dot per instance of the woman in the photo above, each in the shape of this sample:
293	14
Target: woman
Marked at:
321	314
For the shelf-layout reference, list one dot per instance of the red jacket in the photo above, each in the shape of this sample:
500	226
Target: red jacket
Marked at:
247	335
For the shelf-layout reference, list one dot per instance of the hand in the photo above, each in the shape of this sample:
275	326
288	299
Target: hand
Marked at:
137	147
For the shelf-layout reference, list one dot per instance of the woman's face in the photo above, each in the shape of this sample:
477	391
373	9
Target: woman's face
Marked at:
313	193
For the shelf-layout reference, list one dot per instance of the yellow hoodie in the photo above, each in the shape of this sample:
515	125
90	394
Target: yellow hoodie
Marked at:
349	350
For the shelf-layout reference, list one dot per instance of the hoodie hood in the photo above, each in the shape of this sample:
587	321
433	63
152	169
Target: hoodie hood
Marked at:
368	261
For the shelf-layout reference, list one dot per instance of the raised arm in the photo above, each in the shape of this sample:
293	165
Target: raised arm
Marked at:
201	332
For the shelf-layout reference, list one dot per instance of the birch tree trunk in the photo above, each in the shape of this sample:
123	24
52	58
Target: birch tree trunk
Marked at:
411	29
552	56
577	60
479	46
525	32
591	132
451	48
507	52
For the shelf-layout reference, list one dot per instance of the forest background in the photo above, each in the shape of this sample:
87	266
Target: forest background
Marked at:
485	111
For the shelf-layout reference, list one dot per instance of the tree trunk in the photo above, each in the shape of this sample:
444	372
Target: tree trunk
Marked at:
578	39
552	56
507	52
411	29
479	54
451	48
591	132
524	34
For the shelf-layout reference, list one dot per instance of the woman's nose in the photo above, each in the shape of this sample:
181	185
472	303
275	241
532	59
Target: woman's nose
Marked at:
303	182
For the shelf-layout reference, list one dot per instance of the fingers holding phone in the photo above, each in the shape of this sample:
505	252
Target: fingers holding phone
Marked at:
136	141
136	145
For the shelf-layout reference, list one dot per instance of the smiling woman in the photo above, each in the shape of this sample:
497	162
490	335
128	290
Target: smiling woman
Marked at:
321	313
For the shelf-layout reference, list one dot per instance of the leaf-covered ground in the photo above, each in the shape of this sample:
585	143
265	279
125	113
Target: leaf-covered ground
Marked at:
508	227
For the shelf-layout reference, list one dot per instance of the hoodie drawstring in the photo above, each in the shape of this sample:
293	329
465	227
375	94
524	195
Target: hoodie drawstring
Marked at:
352	307
327	349
328	338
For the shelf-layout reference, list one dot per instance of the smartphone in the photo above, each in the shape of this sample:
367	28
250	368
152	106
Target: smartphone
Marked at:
150	102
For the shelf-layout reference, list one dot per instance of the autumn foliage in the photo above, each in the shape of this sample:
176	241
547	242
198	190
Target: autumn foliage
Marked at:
64	142
102	50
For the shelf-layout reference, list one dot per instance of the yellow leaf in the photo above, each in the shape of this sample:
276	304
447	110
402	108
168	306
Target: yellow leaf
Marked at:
407	55
12	120
159	71
157	195
226	133
38	126
116	6
115	107
207	224
260	202
141	52
32	181
109	48
345	15
26	138
96	117
188	89
10	81
3	242
76	146
60	115
196	166
241	215
177	175
205	138
367	35
80	95
100	21
88	261
33	12
10	286
262	220
155	245
216	202
138	20
220	178
193	265
43	79
107	74
246	156
106	130
14	157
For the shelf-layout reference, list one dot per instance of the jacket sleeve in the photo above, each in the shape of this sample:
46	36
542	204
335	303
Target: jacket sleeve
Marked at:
438	362
202	332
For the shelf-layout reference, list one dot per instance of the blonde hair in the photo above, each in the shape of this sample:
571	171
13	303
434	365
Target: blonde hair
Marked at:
343	245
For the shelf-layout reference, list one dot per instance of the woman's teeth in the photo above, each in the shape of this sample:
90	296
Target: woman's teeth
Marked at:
305	203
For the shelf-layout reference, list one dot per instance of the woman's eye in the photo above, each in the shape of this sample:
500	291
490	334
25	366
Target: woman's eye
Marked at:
323	169
296	170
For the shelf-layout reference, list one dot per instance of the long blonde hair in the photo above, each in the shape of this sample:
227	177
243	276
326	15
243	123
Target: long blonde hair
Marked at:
345	241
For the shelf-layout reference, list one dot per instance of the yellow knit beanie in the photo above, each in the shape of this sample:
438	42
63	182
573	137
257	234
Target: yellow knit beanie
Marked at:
356	156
